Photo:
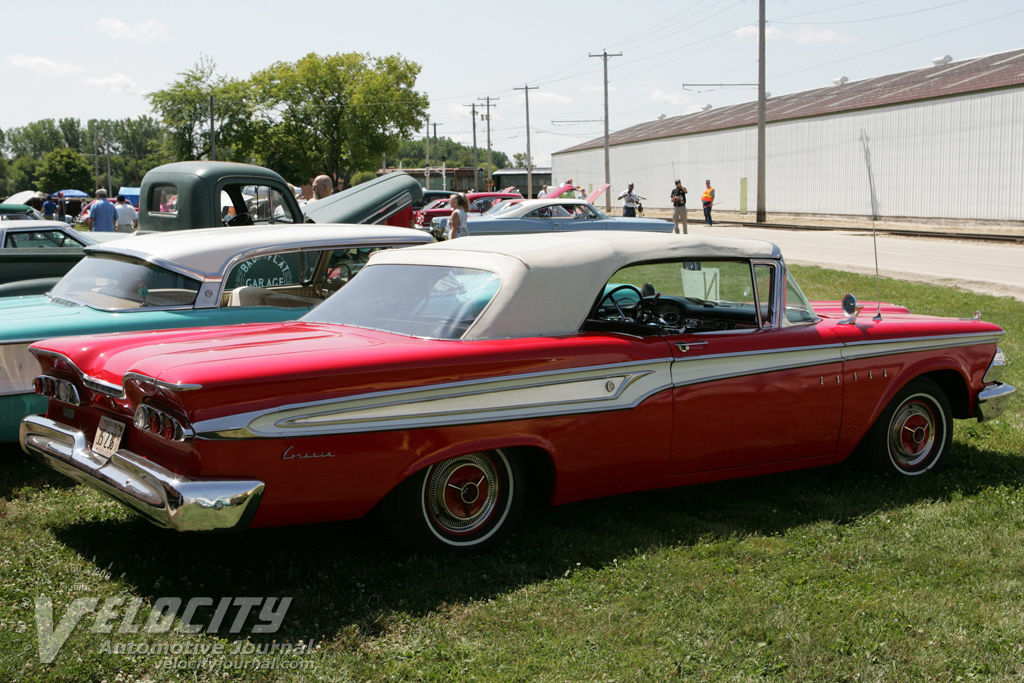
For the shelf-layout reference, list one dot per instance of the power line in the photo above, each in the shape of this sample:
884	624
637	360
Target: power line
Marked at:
907	42
861	21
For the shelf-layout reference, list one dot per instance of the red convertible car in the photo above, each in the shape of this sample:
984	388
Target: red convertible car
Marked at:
447	380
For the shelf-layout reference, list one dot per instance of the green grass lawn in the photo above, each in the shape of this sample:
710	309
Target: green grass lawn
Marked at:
835	574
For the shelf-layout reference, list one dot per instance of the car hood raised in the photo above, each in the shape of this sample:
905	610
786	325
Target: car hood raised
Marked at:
370	202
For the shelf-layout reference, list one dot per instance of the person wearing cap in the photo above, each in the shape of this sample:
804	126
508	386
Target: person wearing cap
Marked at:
49	206
62	208
707	199
102	214
127	216
678	208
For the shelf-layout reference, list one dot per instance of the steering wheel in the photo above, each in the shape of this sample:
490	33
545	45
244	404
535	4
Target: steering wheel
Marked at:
239	220
327	291
610	296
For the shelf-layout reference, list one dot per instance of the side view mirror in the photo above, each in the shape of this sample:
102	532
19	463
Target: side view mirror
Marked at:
851	309
849	304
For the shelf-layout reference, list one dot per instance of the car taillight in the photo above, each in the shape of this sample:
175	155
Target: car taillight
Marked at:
55	388
160	423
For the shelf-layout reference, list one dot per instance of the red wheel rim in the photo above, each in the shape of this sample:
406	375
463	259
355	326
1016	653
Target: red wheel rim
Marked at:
462	493
912	433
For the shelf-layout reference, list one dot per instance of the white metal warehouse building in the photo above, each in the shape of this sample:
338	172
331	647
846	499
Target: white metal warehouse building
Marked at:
942	142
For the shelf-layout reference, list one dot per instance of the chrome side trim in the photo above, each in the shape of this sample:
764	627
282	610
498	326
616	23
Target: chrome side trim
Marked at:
992	401
708	368
996	367
888	347
593	389
146	379
166	499
98	385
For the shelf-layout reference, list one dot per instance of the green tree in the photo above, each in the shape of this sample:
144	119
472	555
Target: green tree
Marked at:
73	133
519	160
4	180
412	154
336	114
140	143
34	139
184	108
64	168
23	174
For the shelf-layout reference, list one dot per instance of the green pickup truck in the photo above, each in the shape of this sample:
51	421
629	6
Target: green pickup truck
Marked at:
208	194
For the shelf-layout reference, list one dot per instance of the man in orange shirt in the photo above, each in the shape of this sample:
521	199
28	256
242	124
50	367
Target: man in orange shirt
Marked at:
708	199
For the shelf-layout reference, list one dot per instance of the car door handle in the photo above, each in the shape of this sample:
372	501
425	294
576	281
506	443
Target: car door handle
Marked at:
685	346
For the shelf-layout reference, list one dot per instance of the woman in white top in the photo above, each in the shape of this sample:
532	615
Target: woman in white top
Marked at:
457	221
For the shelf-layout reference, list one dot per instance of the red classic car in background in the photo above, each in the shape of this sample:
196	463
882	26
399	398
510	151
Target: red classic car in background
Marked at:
479	202
446	381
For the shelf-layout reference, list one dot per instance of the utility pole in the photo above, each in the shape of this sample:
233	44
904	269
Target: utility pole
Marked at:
529	160
607	156
487	116
762	213
426	166
476	167
95	158
106	150
435	155
213	134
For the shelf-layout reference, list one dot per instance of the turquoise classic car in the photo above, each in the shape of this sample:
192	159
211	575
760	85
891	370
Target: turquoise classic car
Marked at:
195	278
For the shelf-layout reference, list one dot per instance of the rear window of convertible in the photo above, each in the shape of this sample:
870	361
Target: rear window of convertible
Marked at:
437	302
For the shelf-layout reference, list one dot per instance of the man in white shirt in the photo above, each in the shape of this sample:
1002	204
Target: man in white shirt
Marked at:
127	216
631	200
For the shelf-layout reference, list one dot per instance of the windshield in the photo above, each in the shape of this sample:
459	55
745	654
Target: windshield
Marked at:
117	283
436	302
502	206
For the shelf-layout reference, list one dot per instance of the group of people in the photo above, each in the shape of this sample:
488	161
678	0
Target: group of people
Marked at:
632	203
58	207
104	216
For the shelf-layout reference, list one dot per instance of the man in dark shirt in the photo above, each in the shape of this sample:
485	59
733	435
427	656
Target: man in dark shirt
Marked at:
49	206
679	208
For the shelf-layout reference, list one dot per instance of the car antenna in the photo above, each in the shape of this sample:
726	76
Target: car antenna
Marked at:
874	215
878	282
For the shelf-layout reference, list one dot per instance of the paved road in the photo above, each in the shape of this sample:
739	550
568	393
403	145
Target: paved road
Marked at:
976	266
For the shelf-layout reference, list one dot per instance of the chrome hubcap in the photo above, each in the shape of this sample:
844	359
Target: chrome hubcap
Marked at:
912	433
461	493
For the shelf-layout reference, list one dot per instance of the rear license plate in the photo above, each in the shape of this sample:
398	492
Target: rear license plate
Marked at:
108	437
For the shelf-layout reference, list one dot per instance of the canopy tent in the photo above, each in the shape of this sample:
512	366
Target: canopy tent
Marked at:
131	194
24	197
73	194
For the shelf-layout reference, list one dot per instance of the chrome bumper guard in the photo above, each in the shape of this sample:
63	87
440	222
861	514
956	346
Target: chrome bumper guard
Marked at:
167	499
992	401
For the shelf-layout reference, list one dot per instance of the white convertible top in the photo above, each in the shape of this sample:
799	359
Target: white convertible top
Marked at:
206	253
549	280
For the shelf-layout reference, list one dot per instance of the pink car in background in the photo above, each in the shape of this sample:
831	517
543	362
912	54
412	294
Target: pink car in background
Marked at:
479	202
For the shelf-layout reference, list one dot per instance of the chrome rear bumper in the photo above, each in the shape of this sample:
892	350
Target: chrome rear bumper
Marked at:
167	499
992	401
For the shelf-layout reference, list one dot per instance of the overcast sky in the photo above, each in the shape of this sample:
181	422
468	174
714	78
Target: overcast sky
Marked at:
99	59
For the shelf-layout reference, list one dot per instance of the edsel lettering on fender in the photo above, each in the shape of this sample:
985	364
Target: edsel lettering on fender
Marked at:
292	455
455	377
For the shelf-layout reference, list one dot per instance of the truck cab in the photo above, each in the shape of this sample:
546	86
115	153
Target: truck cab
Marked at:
208	194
